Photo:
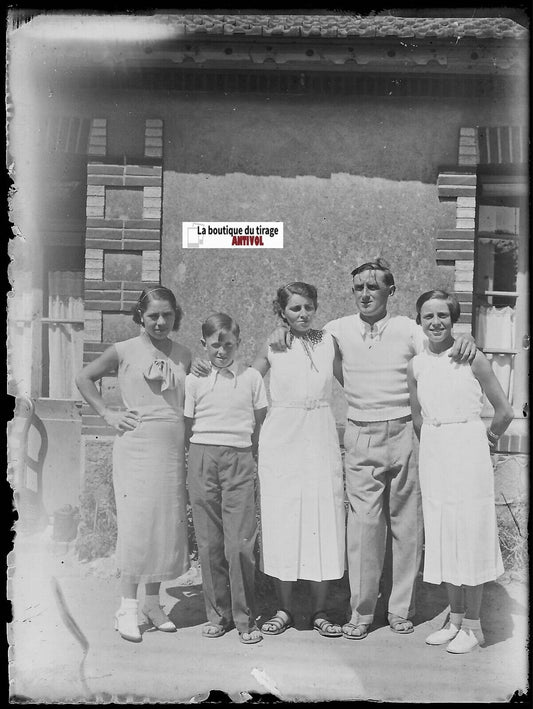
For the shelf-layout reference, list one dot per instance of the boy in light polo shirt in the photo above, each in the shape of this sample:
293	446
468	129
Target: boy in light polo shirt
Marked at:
223	415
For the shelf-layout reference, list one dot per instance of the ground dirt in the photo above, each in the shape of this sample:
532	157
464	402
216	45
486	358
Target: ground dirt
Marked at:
48	663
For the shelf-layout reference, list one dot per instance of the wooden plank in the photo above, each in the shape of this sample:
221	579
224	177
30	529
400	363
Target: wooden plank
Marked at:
455	255
102	169
455	233
142	180
105	223
107	305
453	191
149	170
465	223
468	160
110	180
466	212
112	245
466	202
513	443
463	287
103	285
465	317
454	244
103	233
456	179
102	293
152	224
138	245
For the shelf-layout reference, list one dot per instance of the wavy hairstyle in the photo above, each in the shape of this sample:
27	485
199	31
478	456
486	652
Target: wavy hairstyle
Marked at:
378	264
156	293
283	295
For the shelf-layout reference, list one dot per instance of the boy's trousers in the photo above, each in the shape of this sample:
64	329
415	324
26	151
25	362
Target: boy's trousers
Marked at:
222	495
384	496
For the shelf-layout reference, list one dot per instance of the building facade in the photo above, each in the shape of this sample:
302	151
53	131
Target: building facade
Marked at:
400	137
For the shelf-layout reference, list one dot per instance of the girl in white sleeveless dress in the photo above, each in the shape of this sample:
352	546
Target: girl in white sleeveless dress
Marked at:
300	468
148	456
456	474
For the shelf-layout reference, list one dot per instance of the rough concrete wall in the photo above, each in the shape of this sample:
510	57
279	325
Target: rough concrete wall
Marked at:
330	226
217	134
350	177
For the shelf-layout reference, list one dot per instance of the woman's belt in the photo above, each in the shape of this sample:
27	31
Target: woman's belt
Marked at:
445	421
148	413
307	404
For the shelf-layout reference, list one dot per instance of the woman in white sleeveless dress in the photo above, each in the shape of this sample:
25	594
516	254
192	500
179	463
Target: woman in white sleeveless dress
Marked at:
300	467
148	456
456	474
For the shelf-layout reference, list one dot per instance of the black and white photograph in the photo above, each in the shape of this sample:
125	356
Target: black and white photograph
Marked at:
268	355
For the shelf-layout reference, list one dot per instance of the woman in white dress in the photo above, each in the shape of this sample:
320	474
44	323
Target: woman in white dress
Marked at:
148	456
456	474
300	467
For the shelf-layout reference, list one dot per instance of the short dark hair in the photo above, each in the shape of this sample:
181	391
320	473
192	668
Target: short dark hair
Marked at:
156	293
220	322
450	300
378	265
306	290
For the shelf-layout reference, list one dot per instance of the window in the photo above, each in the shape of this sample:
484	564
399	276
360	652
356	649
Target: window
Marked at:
501	282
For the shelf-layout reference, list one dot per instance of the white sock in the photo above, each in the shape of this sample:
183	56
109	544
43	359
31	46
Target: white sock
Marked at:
469	624
456	619
127	603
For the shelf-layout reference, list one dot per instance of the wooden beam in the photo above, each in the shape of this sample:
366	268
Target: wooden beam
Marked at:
455	255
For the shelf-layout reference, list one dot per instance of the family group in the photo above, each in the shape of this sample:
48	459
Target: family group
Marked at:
400	378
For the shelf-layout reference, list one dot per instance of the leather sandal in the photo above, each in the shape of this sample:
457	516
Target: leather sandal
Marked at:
324	626
254	636
216	630
396	621
280	624
361	628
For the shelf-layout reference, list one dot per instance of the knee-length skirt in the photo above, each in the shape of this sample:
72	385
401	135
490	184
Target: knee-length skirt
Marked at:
457	484
150	495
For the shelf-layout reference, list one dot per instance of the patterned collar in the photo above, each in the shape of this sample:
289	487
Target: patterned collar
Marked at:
313	337
309	341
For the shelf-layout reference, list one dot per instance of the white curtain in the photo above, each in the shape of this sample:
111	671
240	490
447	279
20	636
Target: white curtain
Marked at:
496	331
65	340
495	327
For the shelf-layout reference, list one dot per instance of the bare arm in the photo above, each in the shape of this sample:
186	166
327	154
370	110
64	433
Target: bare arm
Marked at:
416	411
259	415
464	348
279	338
261	362
103	365
503	411
337	364
188	430
187	362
